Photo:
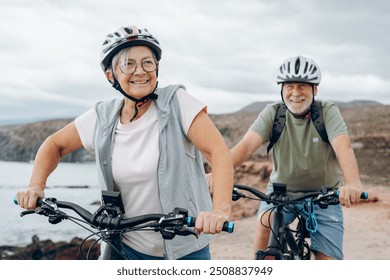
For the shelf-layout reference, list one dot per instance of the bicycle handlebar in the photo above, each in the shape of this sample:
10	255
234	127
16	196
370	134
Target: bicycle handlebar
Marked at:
316	196
117	222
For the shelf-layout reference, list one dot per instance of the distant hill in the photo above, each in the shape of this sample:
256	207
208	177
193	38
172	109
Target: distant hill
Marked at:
256	106
260	105
21	142
357	103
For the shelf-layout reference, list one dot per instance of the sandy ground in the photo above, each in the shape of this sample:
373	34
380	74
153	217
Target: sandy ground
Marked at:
366	237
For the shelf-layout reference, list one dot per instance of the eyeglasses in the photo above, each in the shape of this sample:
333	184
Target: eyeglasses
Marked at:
288	87
128	66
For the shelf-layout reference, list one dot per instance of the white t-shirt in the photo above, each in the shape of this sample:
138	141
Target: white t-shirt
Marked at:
134	162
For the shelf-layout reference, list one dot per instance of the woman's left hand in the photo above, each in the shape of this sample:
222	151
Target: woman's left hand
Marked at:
211	222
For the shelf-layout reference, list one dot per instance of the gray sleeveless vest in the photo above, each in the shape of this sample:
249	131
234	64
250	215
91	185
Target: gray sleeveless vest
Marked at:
181	176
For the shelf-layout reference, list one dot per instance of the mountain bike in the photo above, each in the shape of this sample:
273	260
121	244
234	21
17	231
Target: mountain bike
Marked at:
108	223
285	241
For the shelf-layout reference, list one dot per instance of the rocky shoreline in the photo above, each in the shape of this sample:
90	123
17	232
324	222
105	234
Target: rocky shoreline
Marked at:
49	250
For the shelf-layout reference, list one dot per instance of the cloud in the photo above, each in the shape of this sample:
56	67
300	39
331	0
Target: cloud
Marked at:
226	52
356	87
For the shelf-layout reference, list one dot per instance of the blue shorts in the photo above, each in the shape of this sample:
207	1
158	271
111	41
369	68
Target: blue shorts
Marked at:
131	254
328	238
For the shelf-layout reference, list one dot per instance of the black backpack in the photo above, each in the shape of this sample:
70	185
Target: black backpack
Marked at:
280	121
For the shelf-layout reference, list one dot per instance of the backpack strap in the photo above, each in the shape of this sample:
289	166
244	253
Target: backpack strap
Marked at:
277	128
318	120
280	121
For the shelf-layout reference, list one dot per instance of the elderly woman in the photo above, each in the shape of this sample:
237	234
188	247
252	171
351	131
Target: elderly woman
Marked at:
148	146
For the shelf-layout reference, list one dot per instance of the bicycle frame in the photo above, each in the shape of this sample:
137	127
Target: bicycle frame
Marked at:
282	244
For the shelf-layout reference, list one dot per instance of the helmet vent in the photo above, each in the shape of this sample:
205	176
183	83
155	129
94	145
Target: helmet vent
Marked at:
306	65
128	30
297	66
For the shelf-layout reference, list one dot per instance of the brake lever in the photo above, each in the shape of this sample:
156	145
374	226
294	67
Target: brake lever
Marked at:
27	212
185	231
39	210
170	233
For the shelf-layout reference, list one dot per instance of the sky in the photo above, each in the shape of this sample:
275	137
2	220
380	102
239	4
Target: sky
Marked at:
225	52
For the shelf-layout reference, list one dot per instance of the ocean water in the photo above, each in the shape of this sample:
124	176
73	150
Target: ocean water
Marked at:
72	182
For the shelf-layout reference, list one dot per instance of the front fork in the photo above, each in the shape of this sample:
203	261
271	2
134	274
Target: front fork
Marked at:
277	242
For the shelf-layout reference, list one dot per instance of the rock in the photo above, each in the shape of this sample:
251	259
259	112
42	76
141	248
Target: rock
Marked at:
254	174
48	250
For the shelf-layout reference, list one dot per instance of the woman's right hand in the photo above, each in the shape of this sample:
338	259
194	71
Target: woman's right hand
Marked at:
27	198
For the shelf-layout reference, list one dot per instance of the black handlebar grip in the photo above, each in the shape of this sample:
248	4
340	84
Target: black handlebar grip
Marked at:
227	226
39	201
363	195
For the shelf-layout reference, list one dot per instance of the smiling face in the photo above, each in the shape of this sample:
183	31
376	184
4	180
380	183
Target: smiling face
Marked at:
298	97
140	82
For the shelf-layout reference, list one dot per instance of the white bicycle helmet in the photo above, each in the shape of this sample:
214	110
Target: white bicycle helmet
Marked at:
125	37
299	69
